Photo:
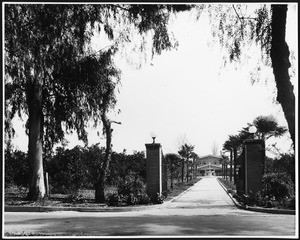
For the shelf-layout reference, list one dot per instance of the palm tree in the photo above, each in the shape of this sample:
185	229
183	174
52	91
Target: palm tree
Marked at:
233	144
185	152
267	126
194	156
173	161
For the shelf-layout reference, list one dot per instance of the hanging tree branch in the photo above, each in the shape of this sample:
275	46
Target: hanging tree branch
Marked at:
242	18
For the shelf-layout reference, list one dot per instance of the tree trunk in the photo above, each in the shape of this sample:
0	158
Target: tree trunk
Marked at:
234	164
100	184
187	170
172	175
182	171
230	173
280	63
223	170
35	146
263	156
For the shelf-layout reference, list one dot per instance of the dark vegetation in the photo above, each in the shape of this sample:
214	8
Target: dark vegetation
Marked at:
46	87
278	185
72	174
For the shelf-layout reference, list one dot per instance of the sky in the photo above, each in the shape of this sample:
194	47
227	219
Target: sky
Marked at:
182	95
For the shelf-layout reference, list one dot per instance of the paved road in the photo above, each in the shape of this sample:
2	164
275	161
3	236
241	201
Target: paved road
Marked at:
204	210
206	194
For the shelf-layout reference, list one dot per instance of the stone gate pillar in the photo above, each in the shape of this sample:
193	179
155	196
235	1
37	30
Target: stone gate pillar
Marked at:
154	170
254	150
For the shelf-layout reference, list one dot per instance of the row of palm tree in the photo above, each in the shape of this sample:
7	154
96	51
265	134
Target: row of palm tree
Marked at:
267	126
181	164
186	152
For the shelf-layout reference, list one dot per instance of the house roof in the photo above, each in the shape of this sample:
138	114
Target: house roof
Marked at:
210	166
210	155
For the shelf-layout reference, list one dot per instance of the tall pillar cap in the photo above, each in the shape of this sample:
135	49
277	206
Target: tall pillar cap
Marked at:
152	145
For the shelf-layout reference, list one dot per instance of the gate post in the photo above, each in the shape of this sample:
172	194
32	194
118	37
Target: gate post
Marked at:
154	170
253	164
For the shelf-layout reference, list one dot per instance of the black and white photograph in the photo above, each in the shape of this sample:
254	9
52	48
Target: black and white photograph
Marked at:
150	120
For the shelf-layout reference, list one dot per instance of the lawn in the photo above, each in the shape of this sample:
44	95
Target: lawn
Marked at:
15	196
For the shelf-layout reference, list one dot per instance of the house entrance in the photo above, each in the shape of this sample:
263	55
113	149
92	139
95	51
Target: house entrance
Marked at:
210	172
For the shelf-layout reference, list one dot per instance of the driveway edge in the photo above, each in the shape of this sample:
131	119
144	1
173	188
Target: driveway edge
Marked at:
78	209
257	209
174	198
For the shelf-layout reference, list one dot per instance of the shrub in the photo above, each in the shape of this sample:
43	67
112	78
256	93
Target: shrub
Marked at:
71	170
131	185
133	189
290	202
75	198
115	199
143	198
132	199
278	191
123	164
278	185
16	168
285	164
159	198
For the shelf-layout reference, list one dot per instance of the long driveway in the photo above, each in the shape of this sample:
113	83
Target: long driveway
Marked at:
204	210
206	194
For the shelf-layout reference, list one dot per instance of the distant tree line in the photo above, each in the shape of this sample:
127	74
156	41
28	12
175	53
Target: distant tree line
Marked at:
70	170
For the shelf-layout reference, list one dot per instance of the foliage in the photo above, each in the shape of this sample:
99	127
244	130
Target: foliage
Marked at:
262	200
237	26
241	27
71	170
114	199
75	198
130	192
133	189
52	74
278	185
143	198
277	191
173	162
185	152
267	126
66	171
269	163
36	46
159	198
285	164
234	142
58	53
16	168
131	185
123	164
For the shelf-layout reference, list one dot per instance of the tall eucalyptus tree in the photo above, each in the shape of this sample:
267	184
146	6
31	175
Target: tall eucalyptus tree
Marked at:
50	69
237	27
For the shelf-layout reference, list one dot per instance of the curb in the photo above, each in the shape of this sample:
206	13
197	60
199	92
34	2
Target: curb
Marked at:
78	209
257	209
271	210
236	203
